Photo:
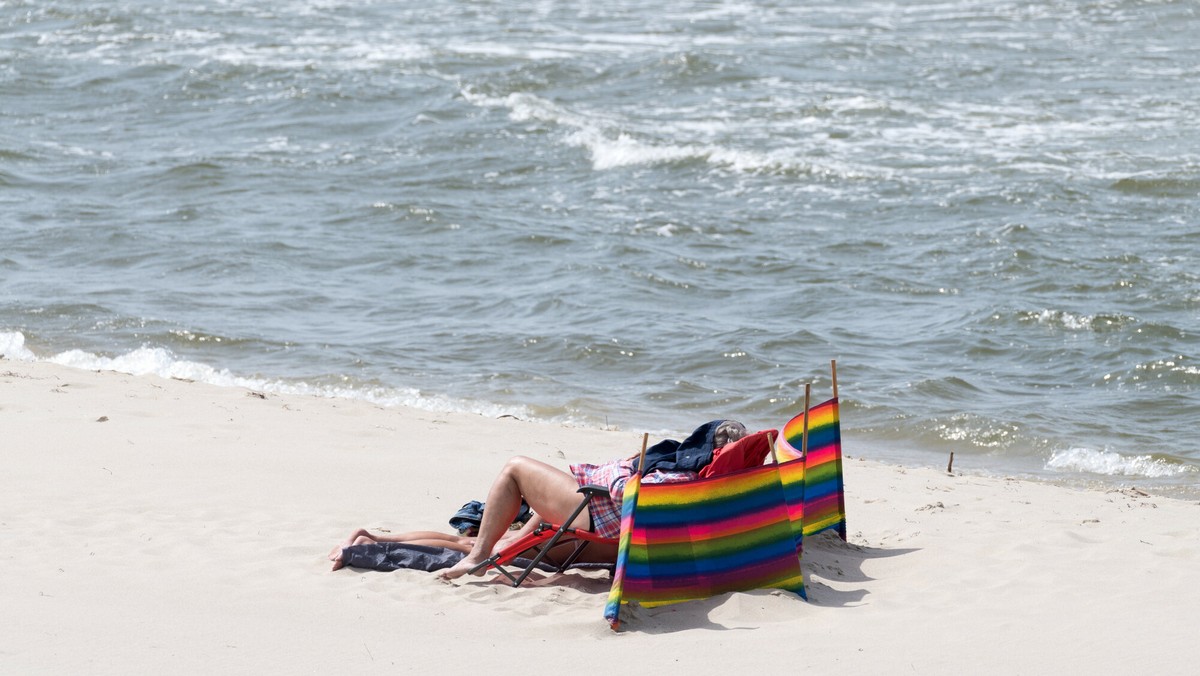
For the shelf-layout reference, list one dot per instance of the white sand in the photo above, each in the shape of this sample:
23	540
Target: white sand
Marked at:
157	526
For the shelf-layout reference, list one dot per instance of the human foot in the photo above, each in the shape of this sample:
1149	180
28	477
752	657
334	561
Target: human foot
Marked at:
461	568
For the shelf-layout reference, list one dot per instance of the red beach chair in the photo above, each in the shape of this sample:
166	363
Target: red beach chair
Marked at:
543	540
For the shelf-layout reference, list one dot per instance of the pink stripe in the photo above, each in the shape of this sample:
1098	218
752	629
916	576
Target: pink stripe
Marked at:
696	532
796	512
822	455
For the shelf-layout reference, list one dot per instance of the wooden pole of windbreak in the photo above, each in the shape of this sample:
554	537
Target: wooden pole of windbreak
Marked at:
833	370
804	437
642	460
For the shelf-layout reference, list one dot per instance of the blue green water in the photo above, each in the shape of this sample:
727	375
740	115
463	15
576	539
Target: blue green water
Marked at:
634	215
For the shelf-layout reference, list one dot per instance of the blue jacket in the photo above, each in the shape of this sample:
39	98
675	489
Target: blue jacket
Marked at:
689	455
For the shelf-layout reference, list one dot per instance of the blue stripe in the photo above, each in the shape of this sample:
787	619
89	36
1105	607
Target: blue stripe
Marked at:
814	491
776	549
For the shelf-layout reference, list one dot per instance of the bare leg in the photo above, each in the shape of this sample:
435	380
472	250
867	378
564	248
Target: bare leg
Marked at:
361	532
549	491
512	536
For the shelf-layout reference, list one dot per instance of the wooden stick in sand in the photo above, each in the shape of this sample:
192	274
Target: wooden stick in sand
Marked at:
804	436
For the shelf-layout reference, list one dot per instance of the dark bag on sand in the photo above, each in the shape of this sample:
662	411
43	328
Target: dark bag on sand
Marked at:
467	519
397	556
389	556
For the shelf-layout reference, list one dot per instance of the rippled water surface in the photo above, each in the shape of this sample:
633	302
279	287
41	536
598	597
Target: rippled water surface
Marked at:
630	214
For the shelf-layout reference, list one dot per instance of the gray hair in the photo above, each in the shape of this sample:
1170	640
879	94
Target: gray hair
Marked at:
728	432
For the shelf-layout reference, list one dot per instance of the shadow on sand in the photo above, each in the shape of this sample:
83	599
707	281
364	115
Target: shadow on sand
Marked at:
828	564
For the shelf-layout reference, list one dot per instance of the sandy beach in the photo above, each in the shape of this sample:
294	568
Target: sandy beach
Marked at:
151	525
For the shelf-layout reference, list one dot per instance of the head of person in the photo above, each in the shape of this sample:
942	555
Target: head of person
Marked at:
728	432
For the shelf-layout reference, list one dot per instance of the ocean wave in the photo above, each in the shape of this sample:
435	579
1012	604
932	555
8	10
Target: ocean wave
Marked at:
1159	186
12	346
161	362
624	150
978	431
1176	371
1109	463
612	147
1074	321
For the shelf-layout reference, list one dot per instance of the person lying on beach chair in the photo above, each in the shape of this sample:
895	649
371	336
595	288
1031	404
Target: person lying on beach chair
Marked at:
541	546
453	542
466	521
554	494
715	448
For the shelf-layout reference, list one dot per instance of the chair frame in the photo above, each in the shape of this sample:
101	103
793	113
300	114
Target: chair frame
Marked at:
543	539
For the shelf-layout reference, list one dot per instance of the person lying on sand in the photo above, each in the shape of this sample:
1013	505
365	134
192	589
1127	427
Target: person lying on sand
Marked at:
553	493
459	543
711	449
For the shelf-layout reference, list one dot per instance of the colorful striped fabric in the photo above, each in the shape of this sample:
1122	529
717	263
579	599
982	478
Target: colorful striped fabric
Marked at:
612	609
735	532
824	431
824	494
693	540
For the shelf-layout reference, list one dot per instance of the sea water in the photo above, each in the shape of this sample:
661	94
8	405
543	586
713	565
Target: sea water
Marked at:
630	215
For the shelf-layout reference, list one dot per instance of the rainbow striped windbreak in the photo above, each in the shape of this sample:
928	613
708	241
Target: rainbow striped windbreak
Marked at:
696	539
824	432
824	494
735	532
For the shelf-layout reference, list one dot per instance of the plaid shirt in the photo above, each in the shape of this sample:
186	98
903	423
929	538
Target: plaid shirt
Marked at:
606	509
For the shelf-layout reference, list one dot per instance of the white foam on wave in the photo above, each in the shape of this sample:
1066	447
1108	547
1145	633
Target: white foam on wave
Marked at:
1109	463
1069	320
531	52
611	148
157	361
624	151
321	48
12	346
1074	321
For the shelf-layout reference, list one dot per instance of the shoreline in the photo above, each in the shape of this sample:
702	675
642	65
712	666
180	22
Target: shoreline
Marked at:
158	524
1174	477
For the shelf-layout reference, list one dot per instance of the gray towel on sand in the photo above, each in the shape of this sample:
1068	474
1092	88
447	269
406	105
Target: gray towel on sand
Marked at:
388	556
395	556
